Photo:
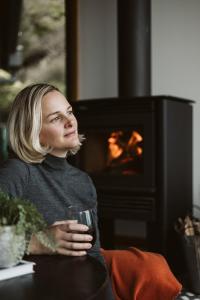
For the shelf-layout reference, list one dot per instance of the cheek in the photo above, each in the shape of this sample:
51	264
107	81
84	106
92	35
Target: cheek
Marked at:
42	137
47	136
75	122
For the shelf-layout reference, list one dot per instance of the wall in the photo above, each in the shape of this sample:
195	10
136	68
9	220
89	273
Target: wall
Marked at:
175	57
176	62
97	49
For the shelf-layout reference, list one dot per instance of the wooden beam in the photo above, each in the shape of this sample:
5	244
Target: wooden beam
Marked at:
10	14
72	41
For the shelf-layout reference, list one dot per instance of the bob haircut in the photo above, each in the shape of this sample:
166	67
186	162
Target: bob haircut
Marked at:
25	123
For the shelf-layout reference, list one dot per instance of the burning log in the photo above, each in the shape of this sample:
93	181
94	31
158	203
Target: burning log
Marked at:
124	149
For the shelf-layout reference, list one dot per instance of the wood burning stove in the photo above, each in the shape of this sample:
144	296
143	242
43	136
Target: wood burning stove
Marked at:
138	152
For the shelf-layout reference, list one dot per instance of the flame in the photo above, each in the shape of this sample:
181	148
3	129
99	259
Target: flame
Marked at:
114	149
135	138
122	148
133	141
139	151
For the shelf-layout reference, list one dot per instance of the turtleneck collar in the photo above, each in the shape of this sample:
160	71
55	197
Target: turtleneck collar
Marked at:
55	162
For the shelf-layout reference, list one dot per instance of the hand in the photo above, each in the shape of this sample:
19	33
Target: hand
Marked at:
70	237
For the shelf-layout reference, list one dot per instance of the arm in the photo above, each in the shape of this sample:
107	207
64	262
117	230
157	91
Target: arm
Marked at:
14	178
70	238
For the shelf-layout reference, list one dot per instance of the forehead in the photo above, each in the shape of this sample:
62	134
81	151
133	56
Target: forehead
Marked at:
54	101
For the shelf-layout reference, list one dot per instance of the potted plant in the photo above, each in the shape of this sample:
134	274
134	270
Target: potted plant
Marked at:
19	219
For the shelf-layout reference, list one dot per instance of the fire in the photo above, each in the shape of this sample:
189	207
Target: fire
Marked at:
124	148
115	150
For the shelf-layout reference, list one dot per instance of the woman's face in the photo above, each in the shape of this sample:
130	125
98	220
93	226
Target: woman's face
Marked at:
59	126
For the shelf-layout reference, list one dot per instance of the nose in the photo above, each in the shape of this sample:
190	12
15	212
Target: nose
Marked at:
67	121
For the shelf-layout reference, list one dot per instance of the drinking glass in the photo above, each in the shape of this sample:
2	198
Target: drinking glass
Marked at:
83	217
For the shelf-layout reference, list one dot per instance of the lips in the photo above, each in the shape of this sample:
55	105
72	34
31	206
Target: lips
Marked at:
70	133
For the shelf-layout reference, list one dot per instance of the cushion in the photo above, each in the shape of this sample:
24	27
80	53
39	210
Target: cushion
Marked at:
140	275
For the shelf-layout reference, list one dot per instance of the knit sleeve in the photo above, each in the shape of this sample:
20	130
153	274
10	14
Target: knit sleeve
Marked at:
14	177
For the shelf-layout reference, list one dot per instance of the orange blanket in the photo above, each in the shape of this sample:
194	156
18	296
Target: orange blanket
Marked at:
140	275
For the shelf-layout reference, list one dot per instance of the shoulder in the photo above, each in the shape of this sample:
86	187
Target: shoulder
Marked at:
83	179
14	166
14	177
74	171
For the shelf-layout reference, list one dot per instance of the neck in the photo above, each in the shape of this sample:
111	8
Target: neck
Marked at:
56	162
58	153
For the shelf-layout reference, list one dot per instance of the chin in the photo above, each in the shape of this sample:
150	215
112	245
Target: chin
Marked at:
75	142
74	145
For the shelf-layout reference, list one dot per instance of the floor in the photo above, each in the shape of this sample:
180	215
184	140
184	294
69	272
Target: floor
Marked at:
186	295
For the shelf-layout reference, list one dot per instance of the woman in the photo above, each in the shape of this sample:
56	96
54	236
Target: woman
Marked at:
42	132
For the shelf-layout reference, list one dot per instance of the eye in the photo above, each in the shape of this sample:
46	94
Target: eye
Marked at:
70	112
56	119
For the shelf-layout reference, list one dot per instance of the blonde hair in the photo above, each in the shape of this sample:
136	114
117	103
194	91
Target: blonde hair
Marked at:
25	123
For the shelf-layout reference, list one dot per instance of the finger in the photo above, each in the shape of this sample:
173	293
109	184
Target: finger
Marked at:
77	227
77	237
73	226
64	251
74	246
63	222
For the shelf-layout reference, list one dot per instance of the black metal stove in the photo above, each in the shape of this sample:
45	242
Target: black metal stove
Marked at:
138	152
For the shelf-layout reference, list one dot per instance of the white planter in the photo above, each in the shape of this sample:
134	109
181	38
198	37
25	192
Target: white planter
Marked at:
12	246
